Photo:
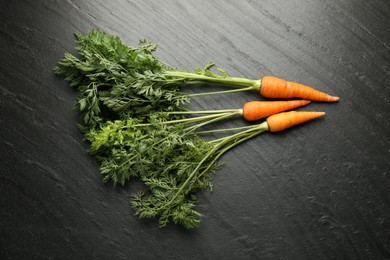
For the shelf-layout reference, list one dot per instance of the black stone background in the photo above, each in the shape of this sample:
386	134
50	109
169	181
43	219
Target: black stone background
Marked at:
318	191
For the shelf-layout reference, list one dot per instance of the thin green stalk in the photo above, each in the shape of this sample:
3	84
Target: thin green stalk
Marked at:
236	140
193	78
256	131
220	92
222	116
240	133
190	176
185	120
227	149
204	112
225	129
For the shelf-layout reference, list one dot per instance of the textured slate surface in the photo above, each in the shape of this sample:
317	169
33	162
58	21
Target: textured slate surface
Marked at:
318	191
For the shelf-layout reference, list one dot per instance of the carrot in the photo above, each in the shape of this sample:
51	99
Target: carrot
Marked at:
286	120
255	110
273	87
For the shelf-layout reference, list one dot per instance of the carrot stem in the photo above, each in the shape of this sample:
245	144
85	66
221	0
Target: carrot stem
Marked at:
227	149
204	112
261	127
233	140
224	129
220	92
193	78
184	120
221	117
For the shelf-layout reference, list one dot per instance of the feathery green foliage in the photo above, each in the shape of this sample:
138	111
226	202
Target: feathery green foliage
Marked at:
117	81
172	188
134	118
169	157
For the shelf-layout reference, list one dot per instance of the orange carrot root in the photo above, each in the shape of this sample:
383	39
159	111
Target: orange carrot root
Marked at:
273	87
256	110
282	121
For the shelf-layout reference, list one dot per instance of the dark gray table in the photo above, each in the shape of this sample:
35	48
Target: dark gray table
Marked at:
318	191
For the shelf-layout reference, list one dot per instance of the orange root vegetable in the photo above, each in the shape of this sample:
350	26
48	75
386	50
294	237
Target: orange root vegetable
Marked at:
282	121
255	110
273	87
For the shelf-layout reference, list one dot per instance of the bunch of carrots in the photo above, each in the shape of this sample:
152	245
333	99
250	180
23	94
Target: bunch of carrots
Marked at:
138	126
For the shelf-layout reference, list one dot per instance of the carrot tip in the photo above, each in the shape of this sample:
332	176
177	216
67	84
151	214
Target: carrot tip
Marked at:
334	99
321	114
